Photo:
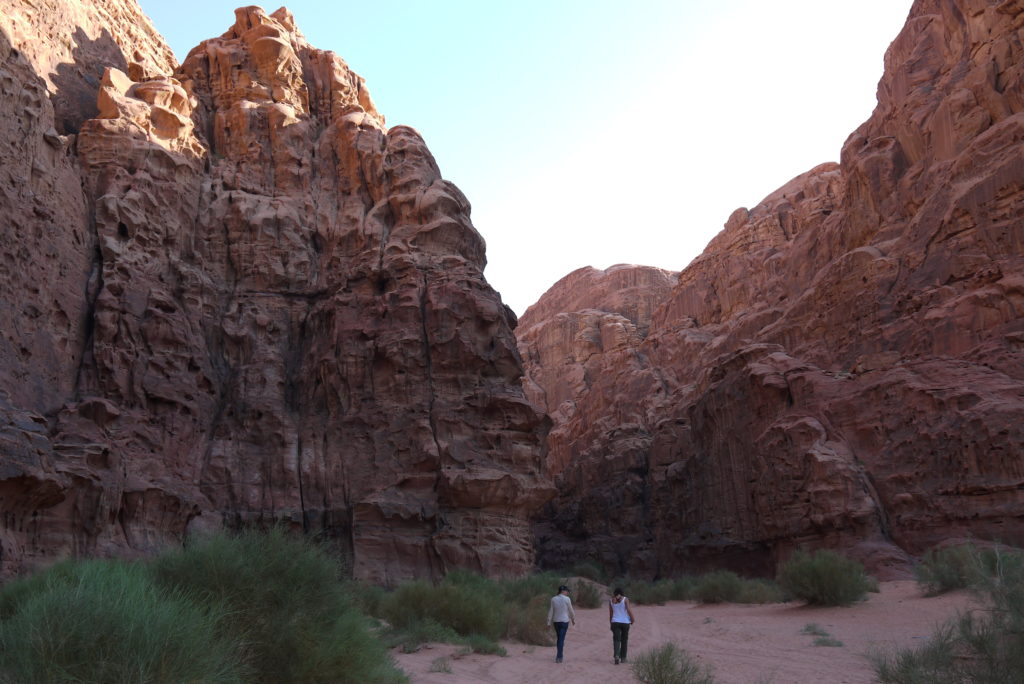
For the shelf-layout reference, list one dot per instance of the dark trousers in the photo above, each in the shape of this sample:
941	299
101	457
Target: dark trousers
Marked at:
620	639
560	629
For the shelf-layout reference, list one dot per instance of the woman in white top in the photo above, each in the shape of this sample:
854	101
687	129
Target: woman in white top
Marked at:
620	615
560	613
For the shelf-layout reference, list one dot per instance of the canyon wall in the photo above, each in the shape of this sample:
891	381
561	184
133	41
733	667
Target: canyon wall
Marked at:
842	367
232	296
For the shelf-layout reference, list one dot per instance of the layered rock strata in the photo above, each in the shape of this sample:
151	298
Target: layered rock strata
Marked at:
844	364
276	311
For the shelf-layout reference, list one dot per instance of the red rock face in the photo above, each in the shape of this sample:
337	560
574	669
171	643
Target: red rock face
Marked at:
277	312
843	365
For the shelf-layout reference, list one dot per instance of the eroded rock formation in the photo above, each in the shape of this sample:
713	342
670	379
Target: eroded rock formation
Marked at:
236	297
844	364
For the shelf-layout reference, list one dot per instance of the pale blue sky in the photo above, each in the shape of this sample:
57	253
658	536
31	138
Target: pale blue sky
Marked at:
593	132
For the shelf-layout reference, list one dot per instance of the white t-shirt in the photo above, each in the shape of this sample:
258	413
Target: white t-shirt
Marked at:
619	612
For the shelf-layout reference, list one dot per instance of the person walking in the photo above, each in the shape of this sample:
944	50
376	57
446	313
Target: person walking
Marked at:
620	615
560	614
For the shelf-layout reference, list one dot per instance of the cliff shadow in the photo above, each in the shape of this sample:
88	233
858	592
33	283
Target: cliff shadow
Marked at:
76	83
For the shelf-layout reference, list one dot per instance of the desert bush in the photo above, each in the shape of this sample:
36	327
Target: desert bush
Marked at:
828	641
982	647
522	590
367	597
481	644
586	594
759	591
955	567
469	609
824	578
529	625
411	637
642	592
465	608
284	598
442	664
106	621
682	588
720	586
814	629
588	569
669	664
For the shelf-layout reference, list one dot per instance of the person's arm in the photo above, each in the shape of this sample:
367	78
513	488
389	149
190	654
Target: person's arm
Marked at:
610	613
629	611
551	610
572	613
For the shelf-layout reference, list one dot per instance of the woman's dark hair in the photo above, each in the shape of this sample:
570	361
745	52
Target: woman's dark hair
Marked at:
618	592
563	588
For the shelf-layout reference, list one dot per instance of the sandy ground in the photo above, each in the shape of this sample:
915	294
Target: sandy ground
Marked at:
744	644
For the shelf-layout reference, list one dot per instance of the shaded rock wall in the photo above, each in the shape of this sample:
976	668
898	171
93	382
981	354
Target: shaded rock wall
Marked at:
843	365
279	314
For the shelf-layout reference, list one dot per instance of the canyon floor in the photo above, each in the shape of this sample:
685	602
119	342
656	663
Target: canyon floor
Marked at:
745	644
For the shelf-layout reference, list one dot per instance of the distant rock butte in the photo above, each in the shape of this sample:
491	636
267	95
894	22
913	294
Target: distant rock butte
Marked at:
232	296
842	367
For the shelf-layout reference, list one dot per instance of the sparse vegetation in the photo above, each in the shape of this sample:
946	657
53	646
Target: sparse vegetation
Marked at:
759	591
824	578
669	664
442	664
588	569
955	567
472	610
586	594
828	641
823	637
981	647
103	621
814	629
642	592
720	586
528	624
255	607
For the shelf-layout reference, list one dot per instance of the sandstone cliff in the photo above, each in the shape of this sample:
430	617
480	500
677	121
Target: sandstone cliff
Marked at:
841	367
235	297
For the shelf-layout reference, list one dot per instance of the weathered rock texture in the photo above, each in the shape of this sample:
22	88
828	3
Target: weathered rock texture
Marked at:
844	364
234	298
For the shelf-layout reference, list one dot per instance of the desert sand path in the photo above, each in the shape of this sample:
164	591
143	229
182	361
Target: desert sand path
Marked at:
744	644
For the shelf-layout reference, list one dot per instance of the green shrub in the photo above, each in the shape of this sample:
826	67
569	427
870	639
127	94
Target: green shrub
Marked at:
682	588
588	569
466	607
105	621
481	644
828	641
642	592
442	664
984	647
955	567
825	578
585	594
720	586
669	664
414	634
522	590
367	597
529	625
759	591
284	598
814	629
